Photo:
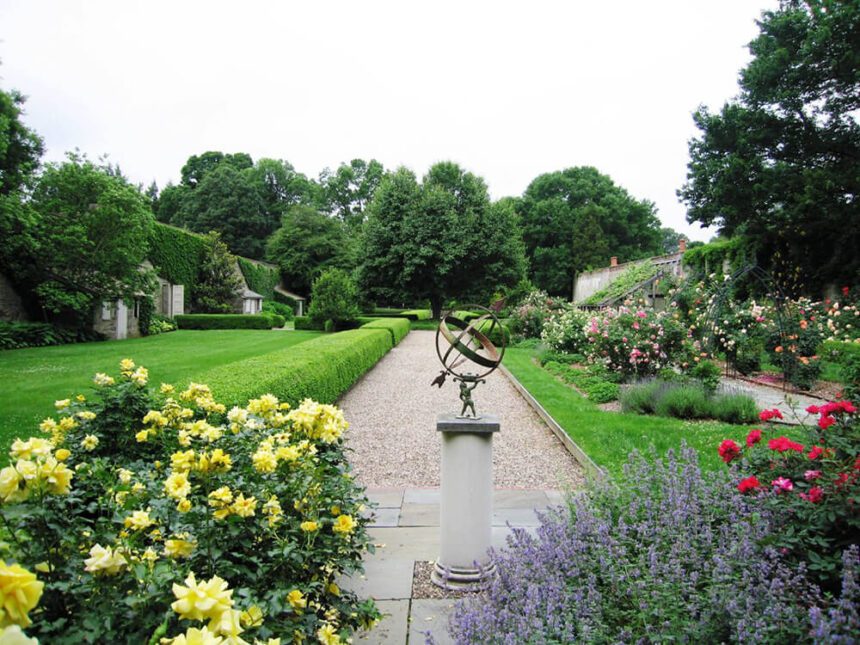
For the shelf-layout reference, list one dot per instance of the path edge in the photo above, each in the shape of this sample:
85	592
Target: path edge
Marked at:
570	445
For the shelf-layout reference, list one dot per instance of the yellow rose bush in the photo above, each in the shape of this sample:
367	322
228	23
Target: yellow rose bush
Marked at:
158	513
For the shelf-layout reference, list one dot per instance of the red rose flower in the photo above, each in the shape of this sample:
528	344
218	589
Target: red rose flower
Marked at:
753	437
815	495
812	409
767	415
729	451
816	452
826	421
781	444
749	484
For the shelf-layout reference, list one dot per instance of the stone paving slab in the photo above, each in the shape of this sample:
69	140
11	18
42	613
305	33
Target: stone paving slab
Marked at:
393	626
430	616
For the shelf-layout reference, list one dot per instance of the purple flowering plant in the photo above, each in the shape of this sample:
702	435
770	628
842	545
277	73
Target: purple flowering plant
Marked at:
665	553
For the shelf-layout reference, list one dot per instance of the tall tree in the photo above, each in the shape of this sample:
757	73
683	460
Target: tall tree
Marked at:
217	288
307	243
90	230
779	164
558	206
348	190
438	240
198	166
20	147
282	187
227	200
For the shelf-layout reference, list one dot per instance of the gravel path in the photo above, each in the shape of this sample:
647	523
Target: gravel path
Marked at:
392	414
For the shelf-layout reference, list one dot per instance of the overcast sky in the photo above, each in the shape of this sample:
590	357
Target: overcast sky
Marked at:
507	90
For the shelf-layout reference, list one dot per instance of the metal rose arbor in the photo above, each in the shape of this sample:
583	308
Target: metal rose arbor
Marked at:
467	451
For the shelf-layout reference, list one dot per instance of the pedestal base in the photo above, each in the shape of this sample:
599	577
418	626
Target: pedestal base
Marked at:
466	511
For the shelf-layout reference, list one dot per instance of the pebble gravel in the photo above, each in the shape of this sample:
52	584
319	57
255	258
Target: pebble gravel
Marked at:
393	443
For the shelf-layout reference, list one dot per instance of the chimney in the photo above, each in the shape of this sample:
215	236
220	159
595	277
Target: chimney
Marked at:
613	261
682	245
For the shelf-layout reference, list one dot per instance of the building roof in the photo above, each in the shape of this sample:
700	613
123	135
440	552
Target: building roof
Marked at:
248	294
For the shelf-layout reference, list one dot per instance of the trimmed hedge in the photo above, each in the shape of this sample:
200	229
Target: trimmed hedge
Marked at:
496	335
259	277
305	322
322	369
410	314
226	321
397	327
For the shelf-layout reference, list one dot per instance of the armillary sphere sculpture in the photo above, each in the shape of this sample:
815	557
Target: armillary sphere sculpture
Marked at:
461	344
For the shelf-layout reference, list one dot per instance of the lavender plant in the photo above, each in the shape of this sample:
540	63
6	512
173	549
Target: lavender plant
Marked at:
666	554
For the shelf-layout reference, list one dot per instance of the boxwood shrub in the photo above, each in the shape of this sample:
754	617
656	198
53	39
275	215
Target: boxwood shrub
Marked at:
397	327
225	321
304	322
322	369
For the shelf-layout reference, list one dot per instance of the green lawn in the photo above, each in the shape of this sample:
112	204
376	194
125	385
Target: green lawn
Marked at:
609	437
34	378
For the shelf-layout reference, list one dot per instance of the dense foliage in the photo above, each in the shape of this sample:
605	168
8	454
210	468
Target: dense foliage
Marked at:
147	515
17	335
177	255
82	241
217	288
628	279
259	277
573	220
663	554
334	297
307	244
438	240
778	165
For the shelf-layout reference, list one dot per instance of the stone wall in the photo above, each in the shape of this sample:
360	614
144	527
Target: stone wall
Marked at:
590	282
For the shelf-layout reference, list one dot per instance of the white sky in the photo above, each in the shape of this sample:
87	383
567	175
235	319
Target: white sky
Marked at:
507	90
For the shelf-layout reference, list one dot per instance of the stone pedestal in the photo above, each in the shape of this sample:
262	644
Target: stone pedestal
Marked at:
466	511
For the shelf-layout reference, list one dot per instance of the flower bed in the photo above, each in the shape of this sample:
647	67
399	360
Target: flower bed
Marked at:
145	516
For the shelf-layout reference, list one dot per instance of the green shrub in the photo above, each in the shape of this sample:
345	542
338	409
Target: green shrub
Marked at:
416	314
334	297
708	374
397	327
683	402
17	335
277	320
602	392
322	368
734	408
595	386
303	322
498	334
223	321
161	325
465	316
641	399
847	356
273	307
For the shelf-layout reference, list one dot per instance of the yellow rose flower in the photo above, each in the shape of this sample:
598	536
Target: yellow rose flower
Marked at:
19	593
253	617
126	365
244	507
182	461
33	447
140	376
221	497
57	475
62	404
328	636
138	521
142	436
67	423
287	453
177	486
125	475
89	442
85	415
344	524
103	380
296	599
184	505
333	589
228	624
179	547
202	601
196	636
309	526
48	425
166	388
149	555
264	461
80	398
104	560
10	485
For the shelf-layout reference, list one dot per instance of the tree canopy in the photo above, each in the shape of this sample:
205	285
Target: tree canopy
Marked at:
88	230
438	240
307	243
571	216
779	164
348	190
20	147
